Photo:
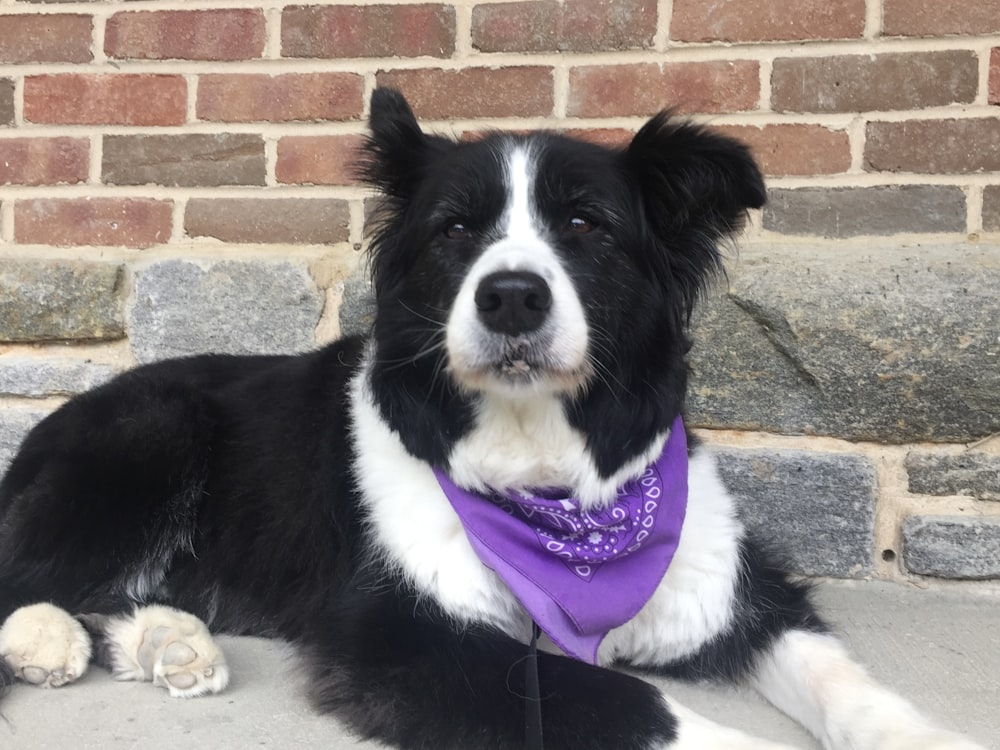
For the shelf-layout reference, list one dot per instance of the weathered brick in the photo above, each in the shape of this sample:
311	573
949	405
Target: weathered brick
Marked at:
127	99
765	20
570	26
972	474
782	150
281	220
934	18
128	222
252	97
60	300
43	161
864	83
6	102
818	508
42	38
934	146
342	31
38	377
952	546
475	92
221	34
644	88
317	159
849	212
187	160
232	307
994	83
991	208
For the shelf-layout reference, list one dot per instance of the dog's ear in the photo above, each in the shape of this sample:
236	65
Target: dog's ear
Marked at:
397	149
696	188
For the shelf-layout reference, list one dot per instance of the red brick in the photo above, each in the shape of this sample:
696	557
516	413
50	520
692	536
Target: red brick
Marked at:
995	76
610	137
43	161
474	92
79	99
278	220
128	222
229	34
865	83
52	37
644	88
340	31
283	98
799	150
317	159
936	18
766	20
570	26
934	146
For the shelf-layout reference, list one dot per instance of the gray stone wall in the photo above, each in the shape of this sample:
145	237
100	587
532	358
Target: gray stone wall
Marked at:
852	391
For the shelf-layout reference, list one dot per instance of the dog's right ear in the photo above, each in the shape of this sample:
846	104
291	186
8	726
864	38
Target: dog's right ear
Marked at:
397	150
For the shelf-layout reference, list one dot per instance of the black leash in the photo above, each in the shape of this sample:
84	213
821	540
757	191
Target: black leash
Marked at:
532	696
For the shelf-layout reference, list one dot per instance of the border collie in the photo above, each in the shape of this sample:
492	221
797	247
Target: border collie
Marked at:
504	455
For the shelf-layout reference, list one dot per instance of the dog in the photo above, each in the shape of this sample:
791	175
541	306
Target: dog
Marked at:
502	460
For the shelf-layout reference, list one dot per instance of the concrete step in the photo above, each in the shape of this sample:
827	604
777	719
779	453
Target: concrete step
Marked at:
939	647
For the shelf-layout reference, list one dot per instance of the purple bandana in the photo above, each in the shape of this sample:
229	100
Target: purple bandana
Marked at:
580	574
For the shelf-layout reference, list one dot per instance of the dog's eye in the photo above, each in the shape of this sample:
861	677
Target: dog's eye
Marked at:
579	225
457	231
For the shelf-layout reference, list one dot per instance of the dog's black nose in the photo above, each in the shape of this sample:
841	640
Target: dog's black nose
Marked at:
513	302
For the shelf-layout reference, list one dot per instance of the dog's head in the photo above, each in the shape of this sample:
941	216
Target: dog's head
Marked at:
517	265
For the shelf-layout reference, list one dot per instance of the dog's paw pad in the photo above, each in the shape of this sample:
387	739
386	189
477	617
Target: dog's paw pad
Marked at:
169	648
45	645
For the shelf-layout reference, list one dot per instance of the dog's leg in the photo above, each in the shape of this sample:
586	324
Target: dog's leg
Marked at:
810	677
162	645
44	645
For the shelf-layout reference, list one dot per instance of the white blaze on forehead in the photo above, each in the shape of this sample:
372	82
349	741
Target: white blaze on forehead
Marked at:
519	222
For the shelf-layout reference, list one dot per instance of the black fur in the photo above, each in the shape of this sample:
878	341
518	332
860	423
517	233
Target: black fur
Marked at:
228	480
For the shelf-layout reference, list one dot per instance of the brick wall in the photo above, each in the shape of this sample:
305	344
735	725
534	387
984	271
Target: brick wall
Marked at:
172	179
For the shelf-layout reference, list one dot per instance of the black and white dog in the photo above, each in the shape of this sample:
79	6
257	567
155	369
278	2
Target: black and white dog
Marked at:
532	296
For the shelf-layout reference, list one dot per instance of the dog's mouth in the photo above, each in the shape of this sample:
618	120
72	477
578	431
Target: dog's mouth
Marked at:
514	363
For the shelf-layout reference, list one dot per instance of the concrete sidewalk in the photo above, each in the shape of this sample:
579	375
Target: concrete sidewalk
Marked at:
940	648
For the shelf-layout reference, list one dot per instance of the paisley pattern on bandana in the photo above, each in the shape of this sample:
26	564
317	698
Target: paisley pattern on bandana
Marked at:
584	541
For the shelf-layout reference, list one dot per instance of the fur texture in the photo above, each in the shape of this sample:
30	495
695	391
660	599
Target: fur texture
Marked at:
532	294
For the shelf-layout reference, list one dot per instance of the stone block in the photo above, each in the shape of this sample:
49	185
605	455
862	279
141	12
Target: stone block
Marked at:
232	307
860	342
47	300
357	306
816	508
14	425
973	474
37	377
952	546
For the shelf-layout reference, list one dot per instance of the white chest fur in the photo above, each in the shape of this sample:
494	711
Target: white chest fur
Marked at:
416	530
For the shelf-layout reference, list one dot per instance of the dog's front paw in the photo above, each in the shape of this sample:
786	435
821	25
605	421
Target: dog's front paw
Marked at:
44	645
168	647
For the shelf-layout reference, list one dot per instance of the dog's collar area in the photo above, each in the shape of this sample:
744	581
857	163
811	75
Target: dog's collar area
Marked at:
579	574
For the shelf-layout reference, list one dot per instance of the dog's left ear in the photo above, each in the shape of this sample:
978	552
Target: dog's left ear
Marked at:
696	188
397	151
